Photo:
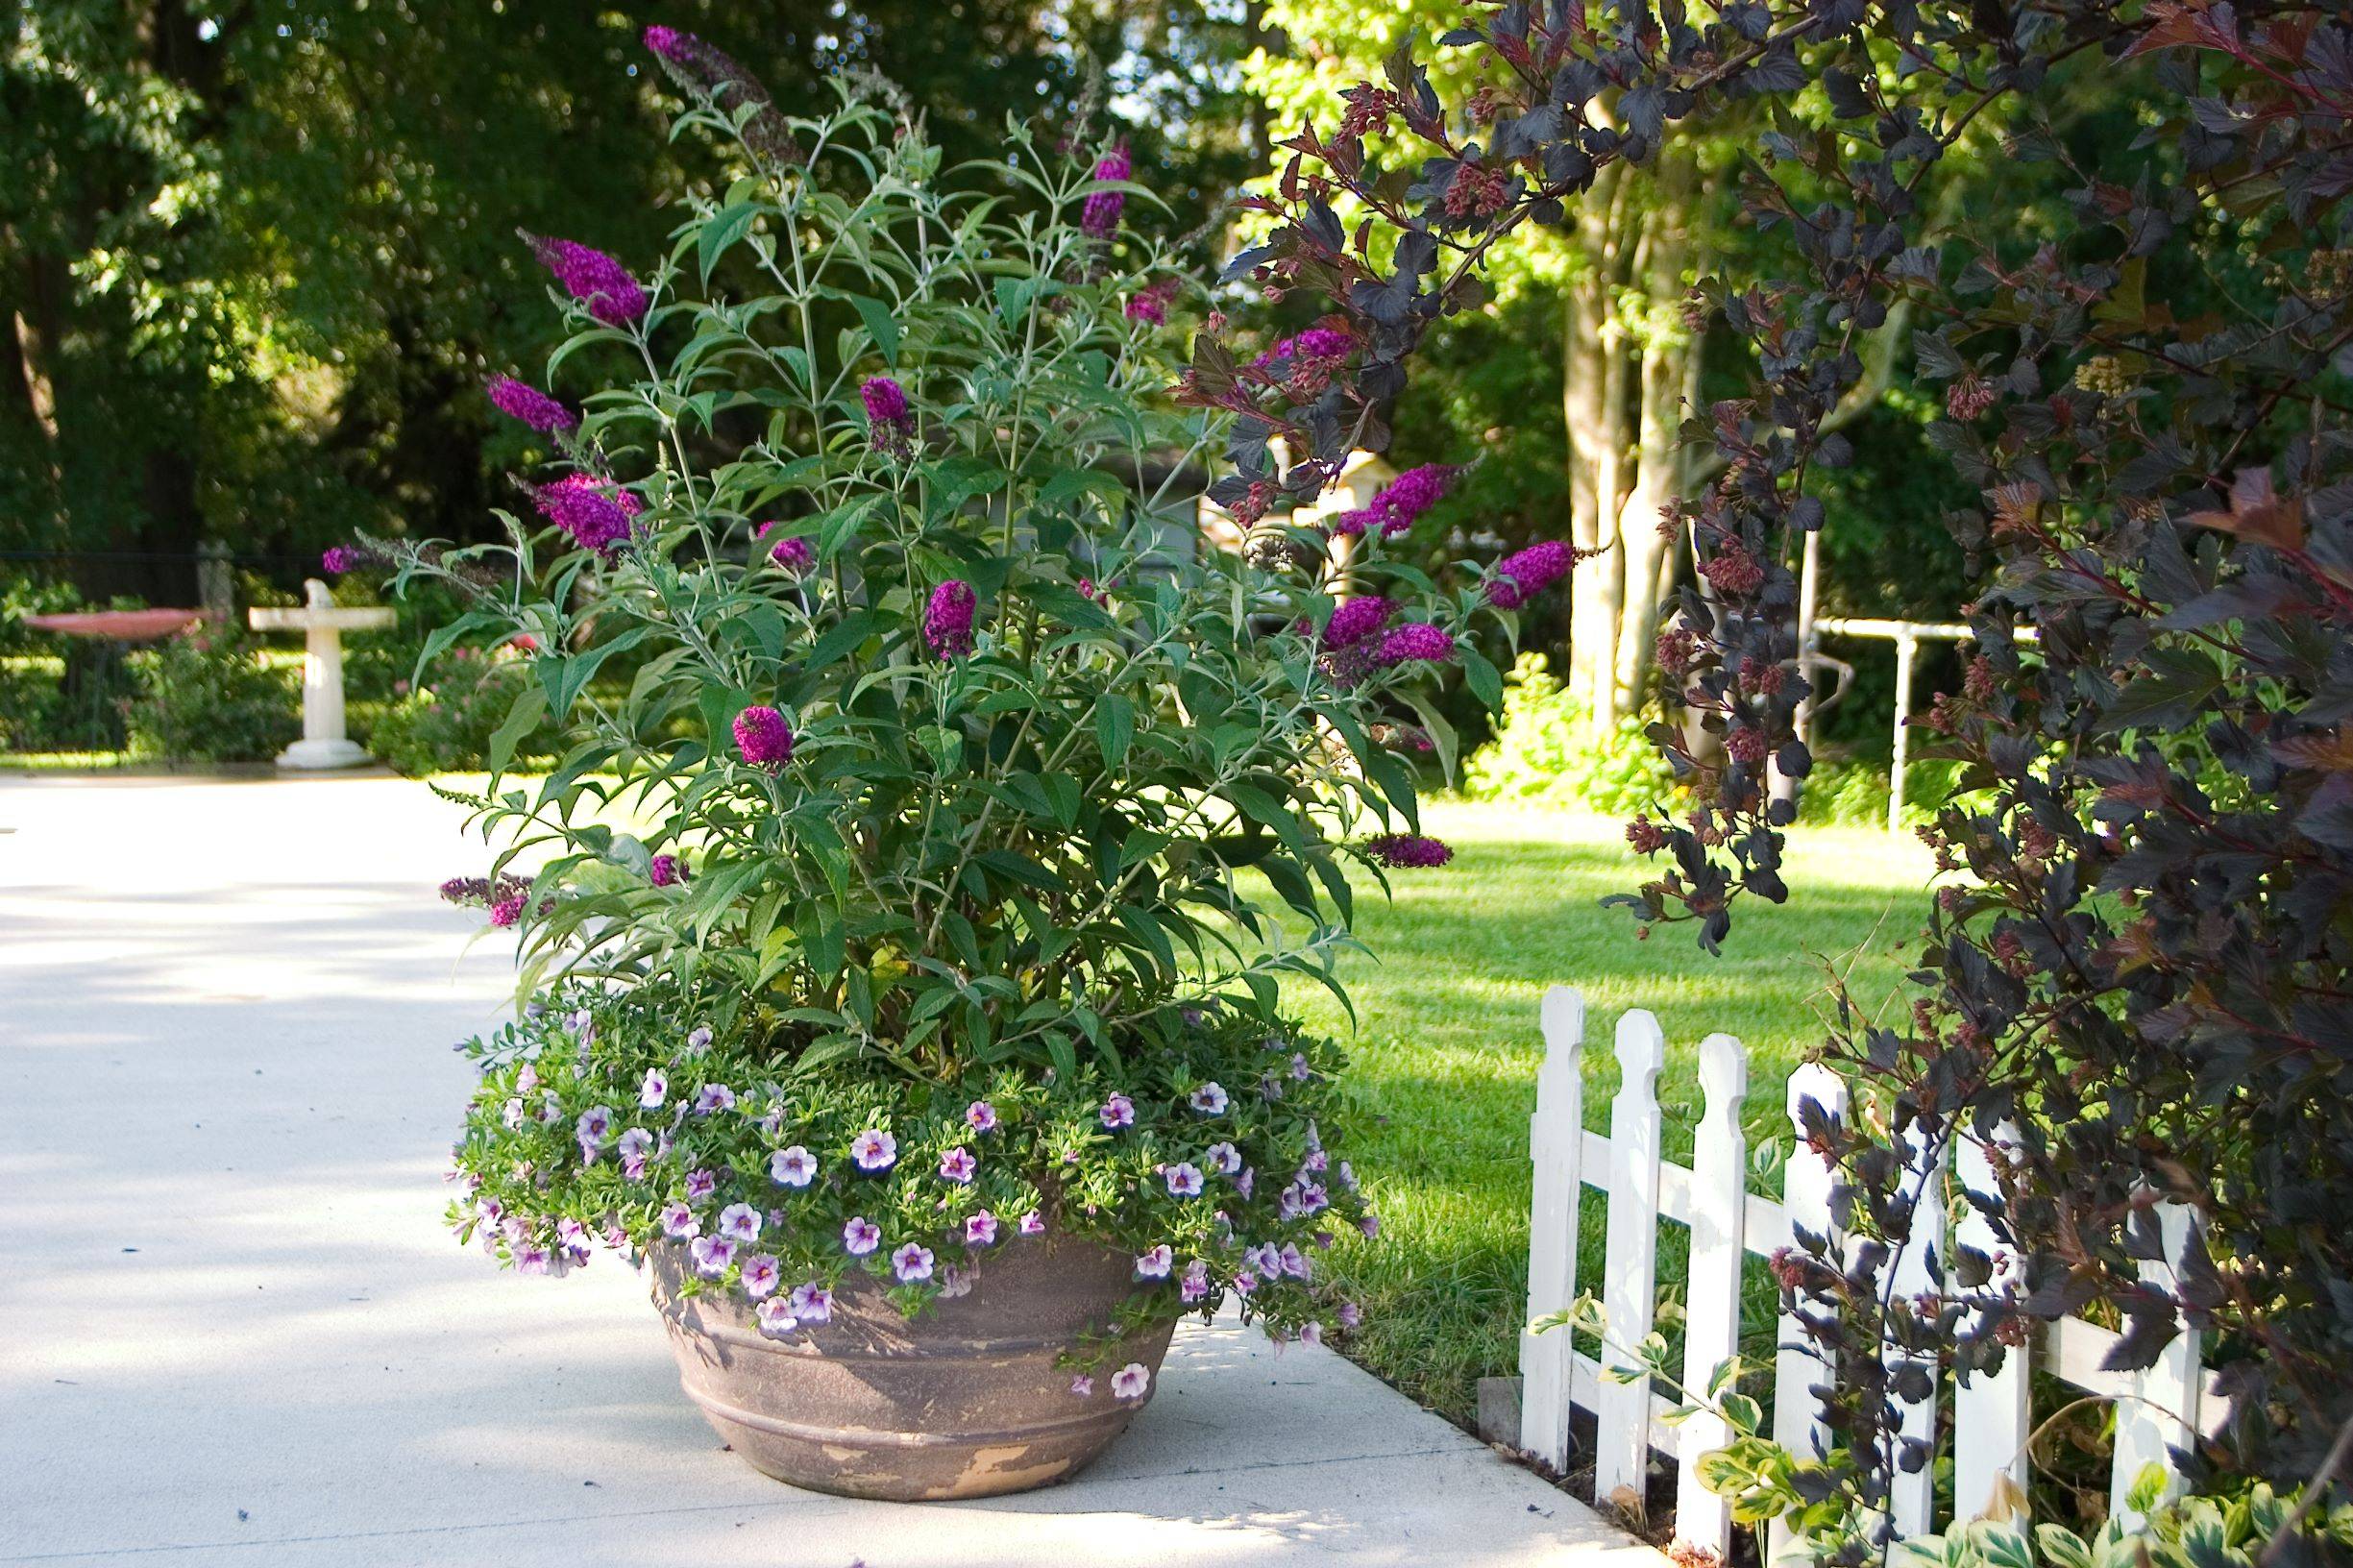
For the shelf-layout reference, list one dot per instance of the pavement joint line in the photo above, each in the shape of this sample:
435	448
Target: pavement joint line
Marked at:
835	1504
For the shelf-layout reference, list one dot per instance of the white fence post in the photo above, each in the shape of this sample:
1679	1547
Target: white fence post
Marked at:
1629	1258
2161	1412
1913	1275
1556	1143
1805	1197
1990	1411
1711	1329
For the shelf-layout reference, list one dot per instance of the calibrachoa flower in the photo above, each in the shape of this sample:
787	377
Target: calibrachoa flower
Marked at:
1524	573
760	1275
1184	1180
776	1317
1117	1112
665	872
654	1090
812	1303
1033	1223
1101	213
1356	620
739	1222
792	552
794	1166
678	1221
701	1185
520	400
911	1262
874	1150
1208	1099
1154	1263
1408	850
1081	1385
1131	1380
1350	1314
981	1117
1416	640
1224	1159
762	737
592	509
595	1126
631	1148
980	1229
860	1236
948	619
713	1099
1195	1284
957	1164
593	277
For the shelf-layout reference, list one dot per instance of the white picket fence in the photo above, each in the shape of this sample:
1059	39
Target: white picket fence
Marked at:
2156	1407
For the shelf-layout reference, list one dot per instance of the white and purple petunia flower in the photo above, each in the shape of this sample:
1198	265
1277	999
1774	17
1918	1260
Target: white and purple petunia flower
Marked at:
911	1262
511	1113
533	1260
1244	1183
980	1229
1131	1382
595	1126
1314	1164
860	1236
1294	1262
1083	1386
1184	1180
1210	1099
739	1222
957	1282
812	1303
1154	1263
1033	1223
712	1254
1301	1069
633	1145
761	1275
678	1222
1370	1225
1312	1334
701	1185
713	1098
794	1166
699	1039
1268	1259
1224	1159
777	1319
654	1090
527	1079
1346	1177
874	1150
957	1164
1195	1284
1350	1314
981	1117
1117	1112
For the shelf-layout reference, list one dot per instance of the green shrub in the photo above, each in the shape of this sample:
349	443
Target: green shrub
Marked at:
446	726
1539	755
209	697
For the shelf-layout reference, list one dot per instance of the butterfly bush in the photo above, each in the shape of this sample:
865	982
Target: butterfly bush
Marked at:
936	823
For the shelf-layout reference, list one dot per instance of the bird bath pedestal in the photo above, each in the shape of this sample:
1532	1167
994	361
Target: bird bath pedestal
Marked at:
324	744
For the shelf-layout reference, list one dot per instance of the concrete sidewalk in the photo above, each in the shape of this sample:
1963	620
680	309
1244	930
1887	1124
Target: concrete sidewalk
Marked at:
233	1331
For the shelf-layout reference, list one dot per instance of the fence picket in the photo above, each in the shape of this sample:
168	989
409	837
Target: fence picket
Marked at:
1805	1197
1990	1411
1914	1274
1556	1143
2163	1411
1630	1258
1711	1329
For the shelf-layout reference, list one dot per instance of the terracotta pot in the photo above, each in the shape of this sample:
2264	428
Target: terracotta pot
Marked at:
964	1400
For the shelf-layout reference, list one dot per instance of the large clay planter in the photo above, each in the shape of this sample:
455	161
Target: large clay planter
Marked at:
962	1401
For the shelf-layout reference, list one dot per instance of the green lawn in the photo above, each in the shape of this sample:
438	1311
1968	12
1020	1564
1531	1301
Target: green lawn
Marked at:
1447	1055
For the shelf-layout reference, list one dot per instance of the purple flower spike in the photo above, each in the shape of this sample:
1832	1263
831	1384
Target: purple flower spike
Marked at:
338	560
593	277
1524	573
790	552
948	619
1416	640
888	422
1356	620
1101	213
1409	850
593	510
699	68
763	737
520	400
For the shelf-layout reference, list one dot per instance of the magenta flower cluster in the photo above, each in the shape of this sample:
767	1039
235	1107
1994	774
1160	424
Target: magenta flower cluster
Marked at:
1408	851
1101	213
1401	503
887	419
791	551
1415	640
593	510
948	619
520	400
1356	620
1523	574
700	68
763	738
338	560
593	277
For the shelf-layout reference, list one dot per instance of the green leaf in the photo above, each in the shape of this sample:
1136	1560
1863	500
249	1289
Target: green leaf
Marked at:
821	939
1442	733
1115	726
529	707
880	325
720	229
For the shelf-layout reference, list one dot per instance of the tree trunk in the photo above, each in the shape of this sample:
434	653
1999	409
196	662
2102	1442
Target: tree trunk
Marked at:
1593	408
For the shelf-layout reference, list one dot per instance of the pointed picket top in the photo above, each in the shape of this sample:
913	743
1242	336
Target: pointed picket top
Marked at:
1556	1145
1805	1198
1711	1328
1630	1258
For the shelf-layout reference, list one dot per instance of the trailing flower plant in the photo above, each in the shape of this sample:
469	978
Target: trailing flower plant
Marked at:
934	827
